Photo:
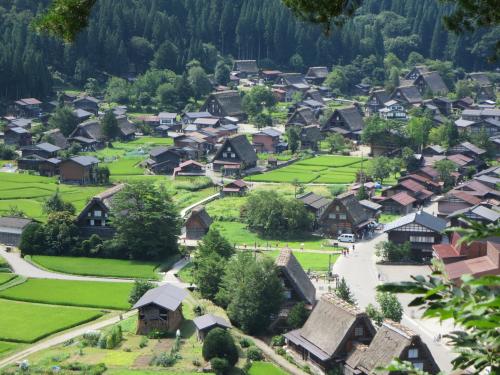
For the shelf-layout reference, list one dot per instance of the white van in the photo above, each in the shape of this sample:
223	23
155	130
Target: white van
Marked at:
346	238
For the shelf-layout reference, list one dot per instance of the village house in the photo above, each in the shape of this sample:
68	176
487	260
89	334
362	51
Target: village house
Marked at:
194	144
429	173
18	137
411	187
399	204
310	136
234	188
444	105
190	117
44	150
368	186
408	96
416	72
344	214
479	190
88	135
330	333
21	122
87	103
454	201
302	116
316	75
82	115
314	94
235	155
160	309
487	264
420	229
467	149
11	230
95	216
433	150
456	250
163	160
393	110
486	94
270	75
480	78
30	162
205	323
28	107
429	184
189	168
268	140
202	123
292	83
197	224
167	118
297	286
315	204
392	341
372	209
223	104
376	101
49	167
245	68
346	121
79	170
431	83
126	129
57	138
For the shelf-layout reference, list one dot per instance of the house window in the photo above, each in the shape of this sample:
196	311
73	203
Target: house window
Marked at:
342	216
233	155
332	216
97	213
224	154
422	239
413	353
337	208
229	149
358	331
91	223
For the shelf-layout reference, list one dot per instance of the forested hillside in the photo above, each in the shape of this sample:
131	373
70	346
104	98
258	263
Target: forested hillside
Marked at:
126	37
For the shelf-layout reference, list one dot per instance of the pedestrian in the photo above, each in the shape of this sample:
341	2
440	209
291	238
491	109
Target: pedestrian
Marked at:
378	276
353	246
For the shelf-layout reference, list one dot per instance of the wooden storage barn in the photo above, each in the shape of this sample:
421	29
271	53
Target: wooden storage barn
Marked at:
11	230
79	170
197	223
160	309
207	322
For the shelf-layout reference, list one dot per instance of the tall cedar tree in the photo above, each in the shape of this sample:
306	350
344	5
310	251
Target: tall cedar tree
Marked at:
64	120
109	125
146	220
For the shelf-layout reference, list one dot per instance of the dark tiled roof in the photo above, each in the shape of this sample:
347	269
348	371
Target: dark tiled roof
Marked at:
209	320
317	72
239	143
47	147
246	66
410	93
370	205
403	198
433	223
84	160
293	271
167	296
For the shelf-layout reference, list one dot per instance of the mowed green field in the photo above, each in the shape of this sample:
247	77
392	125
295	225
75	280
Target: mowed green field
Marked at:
310	261
237	233
7	347
106	295
325	169
27	193
26	322
98	267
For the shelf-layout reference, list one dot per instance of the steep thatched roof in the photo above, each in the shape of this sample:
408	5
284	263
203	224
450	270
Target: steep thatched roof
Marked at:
202	214
229	100
434	82
241	146
293	271
302	116
246	66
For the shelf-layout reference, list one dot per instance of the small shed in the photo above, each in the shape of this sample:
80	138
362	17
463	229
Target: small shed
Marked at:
160	309
197	223
11	230
235	188
207	322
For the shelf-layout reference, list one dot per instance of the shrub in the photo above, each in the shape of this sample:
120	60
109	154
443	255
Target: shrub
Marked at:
219	343
165	359
281	351
144	342
196	362
254	354
199	310
220	365
91	338
157	334
245	342
298	316
278	340
111	339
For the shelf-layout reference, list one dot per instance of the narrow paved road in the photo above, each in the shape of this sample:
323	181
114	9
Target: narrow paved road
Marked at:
59	339
362	274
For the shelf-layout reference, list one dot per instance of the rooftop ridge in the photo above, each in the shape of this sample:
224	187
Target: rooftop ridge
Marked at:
399	328
346	306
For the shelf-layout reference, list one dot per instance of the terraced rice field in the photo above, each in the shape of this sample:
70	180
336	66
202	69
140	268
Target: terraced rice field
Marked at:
106	295
27	322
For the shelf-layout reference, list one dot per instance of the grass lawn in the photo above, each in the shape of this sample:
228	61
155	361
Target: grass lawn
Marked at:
98	267
28	193
310	261
128	166
185	274
7	347
6	277
238	234
106	295
27	322
265	368
387	218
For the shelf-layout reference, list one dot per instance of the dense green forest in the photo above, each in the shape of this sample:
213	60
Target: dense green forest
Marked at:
126	37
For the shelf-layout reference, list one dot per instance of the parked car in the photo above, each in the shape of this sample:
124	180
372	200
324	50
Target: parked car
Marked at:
346	237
